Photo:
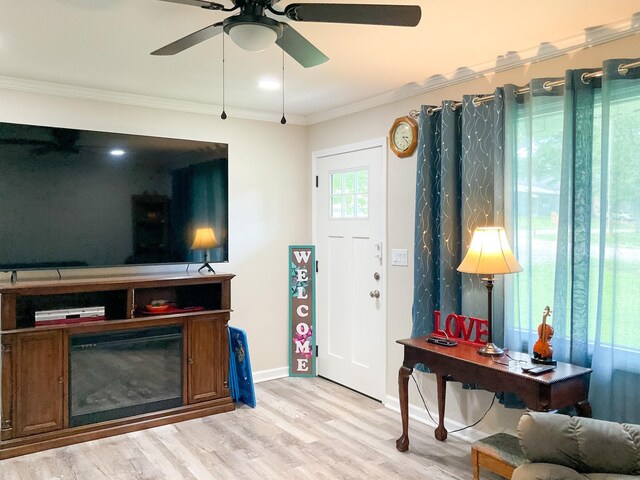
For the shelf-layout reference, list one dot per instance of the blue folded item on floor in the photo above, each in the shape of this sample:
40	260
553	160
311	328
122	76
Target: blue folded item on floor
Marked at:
240	376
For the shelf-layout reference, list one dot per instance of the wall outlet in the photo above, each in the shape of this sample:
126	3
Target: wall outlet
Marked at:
399	257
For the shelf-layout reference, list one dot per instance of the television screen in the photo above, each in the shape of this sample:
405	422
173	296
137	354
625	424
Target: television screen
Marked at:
78	198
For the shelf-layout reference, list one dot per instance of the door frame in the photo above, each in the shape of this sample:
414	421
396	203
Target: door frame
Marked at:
380	142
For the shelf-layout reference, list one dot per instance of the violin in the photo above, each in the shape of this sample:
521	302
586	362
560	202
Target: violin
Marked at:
542	349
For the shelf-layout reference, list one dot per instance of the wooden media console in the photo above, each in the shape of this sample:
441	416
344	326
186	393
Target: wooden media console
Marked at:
40	369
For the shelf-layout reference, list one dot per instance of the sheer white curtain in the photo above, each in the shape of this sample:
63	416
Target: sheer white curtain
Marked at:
572	173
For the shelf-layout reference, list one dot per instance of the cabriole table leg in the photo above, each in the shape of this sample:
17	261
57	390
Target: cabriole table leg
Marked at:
441	431
402	444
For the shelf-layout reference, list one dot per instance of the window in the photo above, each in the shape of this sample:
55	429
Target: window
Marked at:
543	212
350	194
616	232
537	177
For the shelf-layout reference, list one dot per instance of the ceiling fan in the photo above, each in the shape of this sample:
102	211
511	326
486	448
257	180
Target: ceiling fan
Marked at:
253	30
63	141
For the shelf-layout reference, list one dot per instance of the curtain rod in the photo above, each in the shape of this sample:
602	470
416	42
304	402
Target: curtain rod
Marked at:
623	69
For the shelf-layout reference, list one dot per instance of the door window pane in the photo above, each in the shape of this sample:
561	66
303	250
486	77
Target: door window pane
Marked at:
349	195
336	184
362	206
349	182
363	181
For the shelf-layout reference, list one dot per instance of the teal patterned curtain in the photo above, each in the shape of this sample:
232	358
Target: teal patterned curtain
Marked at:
572	174
482	197
199	199
436	281
459	188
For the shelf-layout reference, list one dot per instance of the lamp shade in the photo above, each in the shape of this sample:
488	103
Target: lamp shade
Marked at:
489	253
205	238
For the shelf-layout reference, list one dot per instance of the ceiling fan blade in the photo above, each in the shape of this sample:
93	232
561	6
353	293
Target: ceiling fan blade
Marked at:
398	15
190	40
197	3
299	48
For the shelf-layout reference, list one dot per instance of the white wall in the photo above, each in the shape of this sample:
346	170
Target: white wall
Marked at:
269	176
463	407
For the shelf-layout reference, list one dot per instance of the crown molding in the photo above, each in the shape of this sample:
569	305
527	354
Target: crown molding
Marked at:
84	93
592	37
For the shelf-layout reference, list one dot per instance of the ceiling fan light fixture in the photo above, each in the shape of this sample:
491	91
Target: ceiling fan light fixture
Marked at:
252	32
269	84
254	38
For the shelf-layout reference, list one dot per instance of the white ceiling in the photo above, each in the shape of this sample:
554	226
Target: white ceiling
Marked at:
105	45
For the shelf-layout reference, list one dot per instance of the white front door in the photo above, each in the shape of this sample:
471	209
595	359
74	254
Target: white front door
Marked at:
349	233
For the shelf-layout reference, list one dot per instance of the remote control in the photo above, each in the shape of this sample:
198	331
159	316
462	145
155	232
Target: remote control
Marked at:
442	341
537	370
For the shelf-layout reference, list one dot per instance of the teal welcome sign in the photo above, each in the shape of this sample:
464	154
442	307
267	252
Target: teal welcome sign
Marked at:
302	310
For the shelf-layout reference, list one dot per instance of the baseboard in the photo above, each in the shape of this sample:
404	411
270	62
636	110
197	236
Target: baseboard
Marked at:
419	414
272	374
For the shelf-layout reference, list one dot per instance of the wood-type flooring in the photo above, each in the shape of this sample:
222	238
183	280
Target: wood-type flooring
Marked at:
302	429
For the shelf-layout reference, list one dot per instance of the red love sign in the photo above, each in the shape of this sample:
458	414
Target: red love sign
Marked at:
460	328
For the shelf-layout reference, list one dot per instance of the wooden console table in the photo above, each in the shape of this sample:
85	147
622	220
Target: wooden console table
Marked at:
564	386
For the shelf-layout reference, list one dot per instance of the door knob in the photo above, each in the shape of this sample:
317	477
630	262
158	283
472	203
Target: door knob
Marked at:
374	294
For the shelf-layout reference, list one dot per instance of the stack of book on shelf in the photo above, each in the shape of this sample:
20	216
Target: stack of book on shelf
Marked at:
69	315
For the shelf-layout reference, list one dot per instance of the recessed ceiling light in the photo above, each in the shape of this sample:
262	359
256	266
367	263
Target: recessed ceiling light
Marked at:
269	84
117	152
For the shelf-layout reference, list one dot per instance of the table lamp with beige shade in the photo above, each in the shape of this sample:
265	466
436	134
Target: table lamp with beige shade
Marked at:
204	240
489	254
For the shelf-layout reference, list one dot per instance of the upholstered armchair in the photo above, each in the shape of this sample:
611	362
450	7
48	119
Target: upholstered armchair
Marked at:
559	447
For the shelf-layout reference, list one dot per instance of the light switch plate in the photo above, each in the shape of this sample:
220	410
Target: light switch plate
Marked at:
399	257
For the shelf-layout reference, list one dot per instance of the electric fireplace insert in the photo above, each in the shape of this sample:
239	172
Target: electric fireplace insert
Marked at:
124	373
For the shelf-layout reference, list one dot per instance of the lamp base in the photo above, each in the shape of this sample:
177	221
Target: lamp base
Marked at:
208	267
543	361
490	350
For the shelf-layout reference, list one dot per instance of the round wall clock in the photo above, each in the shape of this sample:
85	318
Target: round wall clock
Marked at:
404	136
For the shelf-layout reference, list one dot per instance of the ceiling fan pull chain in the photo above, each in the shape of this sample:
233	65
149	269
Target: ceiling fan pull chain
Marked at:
283	120
224	114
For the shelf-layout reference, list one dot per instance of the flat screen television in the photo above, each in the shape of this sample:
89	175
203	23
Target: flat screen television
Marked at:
80	198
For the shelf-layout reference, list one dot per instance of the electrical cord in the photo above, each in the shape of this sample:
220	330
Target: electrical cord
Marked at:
423	401
493	400
459	429
508	364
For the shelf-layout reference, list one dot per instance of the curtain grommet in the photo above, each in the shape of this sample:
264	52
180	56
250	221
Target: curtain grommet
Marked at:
622	69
